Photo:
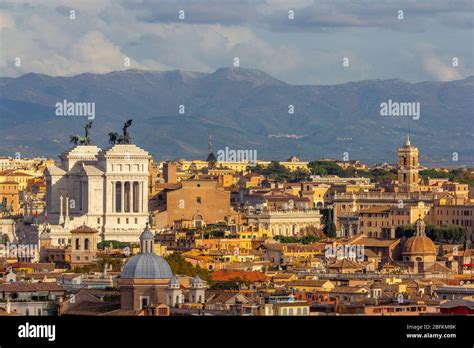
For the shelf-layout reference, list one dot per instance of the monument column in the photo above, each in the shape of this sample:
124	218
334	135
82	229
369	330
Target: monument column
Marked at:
66	220
130	196
144	196
139	196
61	217
112	197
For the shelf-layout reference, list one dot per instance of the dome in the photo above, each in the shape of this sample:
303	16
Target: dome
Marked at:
147	234
174	283
419	245
196	280
147	266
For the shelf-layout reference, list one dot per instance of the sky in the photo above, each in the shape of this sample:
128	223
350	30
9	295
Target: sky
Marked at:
373	37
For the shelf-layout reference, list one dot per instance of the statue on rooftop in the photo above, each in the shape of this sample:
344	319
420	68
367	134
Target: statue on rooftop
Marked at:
115	138
78	140
126	137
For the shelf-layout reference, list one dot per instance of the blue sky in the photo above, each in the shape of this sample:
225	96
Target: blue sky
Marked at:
308	49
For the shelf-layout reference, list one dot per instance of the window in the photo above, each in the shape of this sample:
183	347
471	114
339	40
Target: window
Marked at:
118	221
78	244
198	200
144	300
86	244
98	220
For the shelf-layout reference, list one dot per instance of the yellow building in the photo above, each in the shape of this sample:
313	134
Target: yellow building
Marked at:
10	194
256	233
311	285
241	166
21	178
222	244
295	308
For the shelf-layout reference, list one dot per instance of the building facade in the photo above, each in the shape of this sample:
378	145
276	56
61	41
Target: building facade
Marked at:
104	189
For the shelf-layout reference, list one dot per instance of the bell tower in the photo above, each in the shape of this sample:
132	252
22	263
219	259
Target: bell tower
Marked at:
408	167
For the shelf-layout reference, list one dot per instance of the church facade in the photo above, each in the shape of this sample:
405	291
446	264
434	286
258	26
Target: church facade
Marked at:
104	189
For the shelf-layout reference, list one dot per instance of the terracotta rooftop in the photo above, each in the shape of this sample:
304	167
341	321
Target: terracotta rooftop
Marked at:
375	210
234	275
92	308
28	287
84	229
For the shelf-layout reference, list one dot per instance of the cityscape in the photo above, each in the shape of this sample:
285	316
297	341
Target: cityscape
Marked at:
115	232
236	172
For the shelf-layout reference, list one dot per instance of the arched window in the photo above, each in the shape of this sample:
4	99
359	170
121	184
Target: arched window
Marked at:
86	244
78	244
283	312
198	221
290	311
305	311
298	311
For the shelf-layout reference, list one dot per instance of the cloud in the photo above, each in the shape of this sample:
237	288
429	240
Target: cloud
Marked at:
306	50
6	21
436	67
310	15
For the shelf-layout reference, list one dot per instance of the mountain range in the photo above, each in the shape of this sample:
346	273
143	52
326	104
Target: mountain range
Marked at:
240	109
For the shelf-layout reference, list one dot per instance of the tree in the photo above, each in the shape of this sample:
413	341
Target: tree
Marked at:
329	227
447	233
405	230
5	238
180	266
115	244
330	230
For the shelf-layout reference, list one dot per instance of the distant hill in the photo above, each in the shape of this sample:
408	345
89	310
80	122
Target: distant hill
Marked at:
242	109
